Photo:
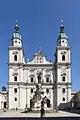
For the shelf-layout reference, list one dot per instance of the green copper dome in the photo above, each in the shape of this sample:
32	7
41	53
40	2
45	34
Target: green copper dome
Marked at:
16	34
62	35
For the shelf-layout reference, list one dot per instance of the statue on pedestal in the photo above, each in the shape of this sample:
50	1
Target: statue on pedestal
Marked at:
37	94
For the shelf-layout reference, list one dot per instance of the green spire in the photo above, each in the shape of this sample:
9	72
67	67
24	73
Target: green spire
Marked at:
16	34
62	34
16	27
62	27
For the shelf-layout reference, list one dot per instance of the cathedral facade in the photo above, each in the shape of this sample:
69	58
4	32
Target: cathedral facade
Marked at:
39	82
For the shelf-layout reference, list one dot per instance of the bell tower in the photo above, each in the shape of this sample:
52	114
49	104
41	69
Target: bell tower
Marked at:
15	66
16	52
63	69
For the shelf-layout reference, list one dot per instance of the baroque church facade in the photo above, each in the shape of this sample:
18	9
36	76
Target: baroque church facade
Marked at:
38	82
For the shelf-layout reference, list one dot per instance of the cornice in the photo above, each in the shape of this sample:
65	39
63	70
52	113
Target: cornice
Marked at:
16	64
15	48
16	83
65	83
43	84
62	64
63	48
29	84
39	65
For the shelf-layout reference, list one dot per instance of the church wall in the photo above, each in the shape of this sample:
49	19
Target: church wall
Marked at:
68	76
68	93
59	74
28	97
10	74
24	75
59	95
60	53
54	97
14	51
21	74
22	94
12	95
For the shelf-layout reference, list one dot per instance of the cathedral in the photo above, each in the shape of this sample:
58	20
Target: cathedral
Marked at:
38	82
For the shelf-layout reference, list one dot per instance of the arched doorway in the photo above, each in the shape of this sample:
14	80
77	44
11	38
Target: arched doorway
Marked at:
5	104
48	103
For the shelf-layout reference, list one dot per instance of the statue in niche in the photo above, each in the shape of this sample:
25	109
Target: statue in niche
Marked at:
39	78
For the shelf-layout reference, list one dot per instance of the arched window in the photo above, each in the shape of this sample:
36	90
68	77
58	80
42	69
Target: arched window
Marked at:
15	99
63	99
15	41
31	79
31	90
47	90
47	79
63	57
15	90
63	78
63	90
15	57
15	78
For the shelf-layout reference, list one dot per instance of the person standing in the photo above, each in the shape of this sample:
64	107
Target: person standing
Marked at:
42	112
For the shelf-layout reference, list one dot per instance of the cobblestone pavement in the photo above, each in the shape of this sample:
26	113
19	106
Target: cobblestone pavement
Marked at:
13	113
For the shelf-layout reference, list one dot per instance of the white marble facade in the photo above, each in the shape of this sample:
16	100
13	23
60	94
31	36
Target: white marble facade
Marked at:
30	82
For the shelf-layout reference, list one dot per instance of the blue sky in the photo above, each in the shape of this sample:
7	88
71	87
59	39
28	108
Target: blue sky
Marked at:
39	22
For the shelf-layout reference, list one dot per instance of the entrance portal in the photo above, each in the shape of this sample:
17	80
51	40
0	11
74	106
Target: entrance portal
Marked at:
48	103
4	104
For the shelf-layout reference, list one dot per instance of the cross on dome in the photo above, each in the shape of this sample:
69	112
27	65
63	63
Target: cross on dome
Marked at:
62	22
62	27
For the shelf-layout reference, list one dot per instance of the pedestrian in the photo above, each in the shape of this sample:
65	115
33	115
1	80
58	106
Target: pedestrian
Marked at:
42	112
